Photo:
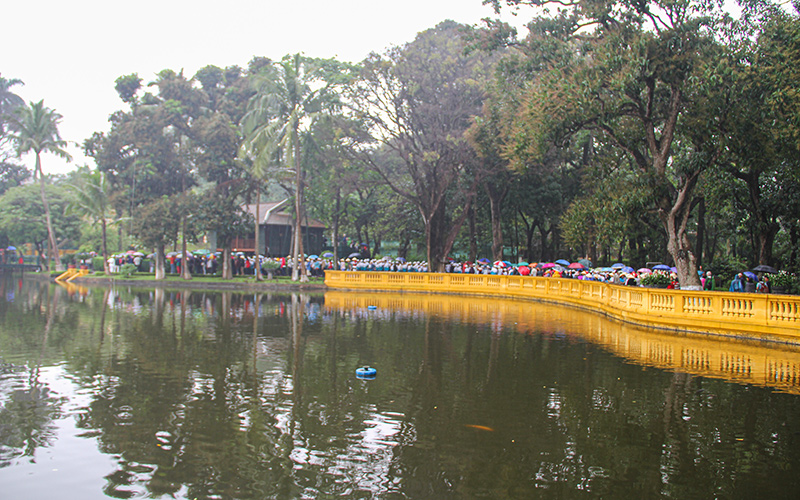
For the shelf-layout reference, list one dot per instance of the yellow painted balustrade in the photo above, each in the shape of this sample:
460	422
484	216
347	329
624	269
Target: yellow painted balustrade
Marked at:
758	316
760	363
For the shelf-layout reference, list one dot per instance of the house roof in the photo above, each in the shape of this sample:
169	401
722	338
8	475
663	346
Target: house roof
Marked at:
273	214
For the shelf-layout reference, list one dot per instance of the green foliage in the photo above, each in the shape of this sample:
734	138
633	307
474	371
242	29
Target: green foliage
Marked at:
655	279
97	264
726	267
128	270
22	214
270	264
784	280
12	175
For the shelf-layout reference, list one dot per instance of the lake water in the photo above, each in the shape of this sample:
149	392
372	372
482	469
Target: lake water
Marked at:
120	393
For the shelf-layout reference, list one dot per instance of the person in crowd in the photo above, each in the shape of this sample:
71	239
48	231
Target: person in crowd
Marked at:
737	284
708	283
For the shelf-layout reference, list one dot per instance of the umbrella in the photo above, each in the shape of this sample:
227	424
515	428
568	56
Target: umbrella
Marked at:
400	259
547	265
627	269
562	262
523	263
644	270
618	265
327	255
11	248
661	267
750	275
605	270
484	261
763	268
576	265
524	270
313	256
354	255
202	251
499	263
586	263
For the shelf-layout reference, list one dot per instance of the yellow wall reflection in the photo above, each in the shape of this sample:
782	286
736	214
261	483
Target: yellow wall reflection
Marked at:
738	360
760	316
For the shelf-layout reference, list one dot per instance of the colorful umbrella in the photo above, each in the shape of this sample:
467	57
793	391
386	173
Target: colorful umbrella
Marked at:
643	270
618	265
661	267
576	265
562	262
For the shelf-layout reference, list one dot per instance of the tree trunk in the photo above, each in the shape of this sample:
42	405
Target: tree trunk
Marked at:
497	224
227	271
675	220
701	229
257	240
496	197
473	235
51	237
160	259
106	269
765	241
299	269
336	229
185	273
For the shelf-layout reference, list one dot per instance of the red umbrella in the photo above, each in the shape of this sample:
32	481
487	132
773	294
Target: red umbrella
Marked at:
576	265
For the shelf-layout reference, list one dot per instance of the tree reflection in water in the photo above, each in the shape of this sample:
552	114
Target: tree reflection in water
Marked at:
229	395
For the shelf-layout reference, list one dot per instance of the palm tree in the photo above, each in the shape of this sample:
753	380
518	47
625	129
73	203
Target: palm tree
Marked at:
283	107
92	201
35	129
9	101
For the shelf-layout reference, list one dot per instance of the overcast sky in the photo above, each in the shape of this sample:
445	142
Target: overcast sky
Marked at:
69	53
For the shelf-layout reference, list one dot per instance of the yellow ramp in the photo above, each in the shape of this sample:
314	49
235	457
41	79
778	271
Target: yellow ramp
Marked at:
81	272
66	274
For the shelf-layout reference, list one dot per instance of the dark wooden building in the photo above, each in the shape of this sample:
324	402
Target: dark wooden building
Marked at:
276	232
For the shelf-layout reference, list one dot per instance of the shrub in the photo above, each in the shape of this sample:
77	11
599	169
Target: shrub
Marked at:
655	279
97	264
270	264
128	270
784	280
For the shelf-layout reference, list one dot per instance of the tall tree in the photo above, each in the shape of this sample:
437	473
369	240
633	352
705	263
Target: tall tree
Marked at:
93	202
290	94
642	76
35	129
418	101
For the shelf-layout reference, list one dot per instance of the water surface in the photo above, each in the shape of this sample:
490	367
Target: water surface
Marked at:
119	393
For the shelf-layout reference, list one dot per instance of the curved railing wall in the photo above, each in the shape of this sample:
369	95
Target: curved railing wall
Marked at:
760	316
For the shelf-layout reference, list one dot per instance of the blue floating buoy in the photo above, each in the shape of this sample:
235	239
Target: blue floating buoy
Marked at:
372	307
366	372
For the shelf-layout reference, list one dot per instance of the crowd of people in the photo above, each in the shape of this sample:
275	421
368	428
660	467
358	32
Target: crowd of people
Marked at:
243	265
